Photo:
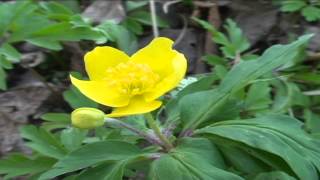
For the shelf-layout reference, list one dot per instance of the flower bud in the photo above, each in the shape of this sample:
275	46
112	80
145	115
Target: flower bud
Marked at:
87	118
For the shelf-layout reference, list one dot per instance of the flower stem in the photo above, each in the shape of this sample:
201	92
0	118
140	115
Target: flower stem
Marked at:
146	136
154	18
153	125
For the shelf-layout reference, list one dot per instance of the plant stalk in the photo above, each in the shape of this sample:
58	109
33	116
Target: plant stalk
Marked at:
153	125
146	136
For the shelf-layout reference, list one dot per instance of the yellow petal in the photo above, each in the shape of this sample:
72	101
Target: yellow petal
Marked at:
137	105
158	55
179	65
101	58
101	92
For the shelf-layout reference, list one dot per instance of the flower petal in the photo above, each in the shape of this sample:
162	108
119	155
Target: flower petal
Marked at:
179	65
158	55
101	58
137	105
101	92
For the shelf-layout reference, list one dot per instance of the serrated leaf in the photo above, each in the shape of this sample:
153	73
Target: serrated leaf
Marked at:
72	138
311	13
237	39
12	12
18	164
43	141
92	154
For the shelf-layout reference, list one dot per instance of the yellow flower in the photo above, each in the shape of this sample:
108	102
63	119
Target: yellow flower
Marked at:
132	84
87	118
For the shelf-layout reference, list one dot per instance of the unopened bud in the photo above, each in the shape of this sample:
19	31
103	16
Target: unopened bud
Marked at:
87	118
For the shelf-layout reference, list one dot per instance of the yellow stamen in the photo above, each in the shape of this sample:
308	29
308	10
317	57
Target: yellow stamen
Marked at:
132	78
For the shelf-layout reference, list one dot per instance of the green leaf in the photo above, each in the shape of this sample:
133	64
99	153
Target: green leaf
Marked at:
312	78
55	121
55	8
167	167
132	5
56	117
144	17
221	71
133	26
217	36
18	164
172	108
194	158
312	122
3	76
274	175
199	148
237	39
13	12
292	5
5	63
196	109
106	171
76	99
271	134
45	43
72	138
92	154
311	13
125	40
65	32
10	52
258	96
79	21
214	60
233	44
43	141
237	157
287	95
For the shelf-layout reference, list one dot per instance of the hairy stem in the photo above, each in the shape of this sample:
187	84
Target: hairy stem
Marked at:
153	125
146	136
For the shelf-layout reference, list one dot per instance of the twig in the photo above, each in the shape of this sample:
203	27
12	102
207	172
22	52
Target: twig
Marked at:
154	18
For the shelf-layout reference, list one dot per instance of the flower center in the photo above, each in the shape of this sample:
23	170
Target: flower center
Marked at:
132	78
